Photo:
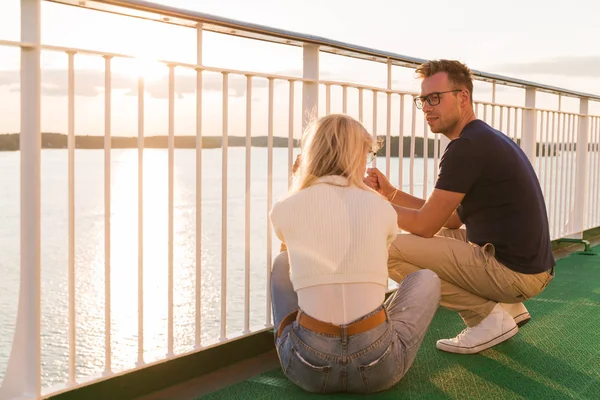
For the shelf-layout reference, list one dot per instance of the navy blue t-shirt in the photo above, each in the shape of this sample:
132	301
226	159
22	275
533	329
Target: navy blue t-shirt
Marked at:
503	202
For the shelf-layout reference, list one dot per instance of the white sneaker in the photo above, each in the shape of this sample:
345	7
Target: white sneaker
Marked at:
518	312
495	328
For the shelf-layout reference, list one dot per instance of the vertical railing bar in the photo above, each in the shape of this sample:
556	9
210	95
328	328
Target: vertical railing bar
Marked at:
553	174
597	173
590	184
555	138
388	136
269	196
247	196
425	157
591	163
71	205
547	161
198	319
559	107
596	185
501	124
568	180
597	168
544	145
563	167
344	99
508	131
401	143
582	125
493	104
107	214
360	105
140	221
291	131
580	171
568	160
571	170
593	178
485	108
224	202
374	133
327	98
171	174
412	149
24	369
516	127
540	149
388	125
592	174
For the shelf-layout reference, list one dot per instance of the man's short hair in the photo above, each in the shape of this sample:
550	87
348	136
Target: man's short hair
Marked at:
459	75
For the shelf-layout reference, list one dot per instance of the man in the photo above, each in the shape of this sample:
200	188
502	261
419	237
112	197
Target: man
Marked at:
486	182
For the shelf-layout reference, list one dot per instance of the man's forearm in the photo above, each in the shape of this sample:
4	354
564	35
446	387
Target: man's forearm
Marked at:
409	221
406	200
402	199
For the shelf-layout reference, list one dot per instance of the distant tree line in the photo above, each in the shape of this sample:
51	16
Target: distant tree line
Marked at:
10	142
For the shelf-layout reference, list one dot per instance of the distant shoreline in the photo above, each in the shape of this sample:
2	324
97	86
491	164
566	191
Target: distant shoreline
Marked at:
10	142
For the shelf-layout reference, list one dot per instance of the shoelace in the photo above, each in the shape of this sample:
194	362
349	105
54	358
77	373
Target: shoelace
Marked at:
463	333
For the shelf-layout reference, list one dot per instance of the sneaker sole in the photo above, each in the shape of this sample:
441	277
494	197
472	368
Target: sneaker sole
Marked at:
522	319
473	350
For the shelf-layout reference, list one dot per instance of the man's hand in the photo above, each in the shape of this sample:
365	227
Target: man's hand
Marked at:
377	181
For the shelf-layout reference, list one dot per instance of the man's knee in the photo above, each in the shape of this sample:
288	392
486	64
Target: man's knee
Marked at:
406	244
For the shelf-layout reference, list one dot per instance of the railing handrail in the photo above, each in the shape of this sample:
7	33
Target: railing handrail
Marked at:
179	16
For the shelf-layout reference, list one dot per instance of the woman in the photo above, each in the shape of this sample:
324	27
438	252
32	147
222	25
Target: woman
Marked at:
334	331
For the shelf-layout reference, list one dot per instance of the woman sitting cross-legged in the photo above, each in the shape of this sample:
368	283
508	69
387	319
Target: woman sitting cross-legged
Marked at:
335	332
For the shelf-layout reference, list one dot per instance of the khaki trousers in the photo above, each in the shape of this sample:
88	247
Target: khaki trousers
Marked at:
472	280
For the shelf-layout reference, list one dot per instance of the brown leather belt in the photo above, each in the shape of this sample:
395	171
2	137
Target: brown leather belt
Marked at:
326	328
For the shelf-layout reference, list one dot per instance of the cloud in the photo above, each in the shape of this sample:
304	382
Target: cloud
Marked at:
90	83
571	66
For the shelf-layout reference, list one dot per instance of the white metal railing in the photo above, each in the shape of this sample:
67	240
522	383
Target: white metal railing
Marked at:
564	147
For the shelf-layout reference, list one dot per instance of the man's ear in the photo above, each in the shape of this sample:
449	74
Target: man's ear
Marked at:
465	98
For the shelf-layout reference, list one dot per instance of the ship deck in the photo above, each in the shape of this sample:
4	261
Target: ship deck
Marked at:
555	356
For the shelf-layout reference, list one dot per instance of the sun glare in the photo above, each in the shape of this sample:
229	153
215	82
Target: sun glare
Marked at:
149	69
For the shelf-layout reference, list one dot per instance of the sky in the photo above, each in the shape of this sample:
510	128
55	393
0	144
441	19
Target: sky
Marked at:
546	42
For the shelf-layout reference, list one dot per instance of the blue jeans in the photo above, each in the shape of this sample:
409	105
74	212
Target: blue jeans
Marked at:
368	362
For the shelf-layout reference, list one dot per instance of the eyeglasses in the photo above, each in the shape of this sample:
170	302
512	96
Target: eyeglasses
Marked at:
433	98
371	156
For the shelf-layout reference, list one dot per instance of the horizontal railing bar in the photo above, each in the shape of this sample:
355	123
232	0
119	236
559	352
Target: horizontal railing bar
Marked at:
486	103
12	43
178	16
261	75
166	62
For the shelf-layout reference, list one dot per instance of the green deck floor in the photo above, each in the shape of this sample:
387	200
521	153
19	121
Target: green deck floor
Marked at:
556	356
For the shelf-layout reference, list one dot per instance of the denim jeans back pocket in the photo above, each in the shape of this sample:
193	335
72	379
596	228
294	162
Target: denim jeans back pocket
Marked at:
310	377
381	373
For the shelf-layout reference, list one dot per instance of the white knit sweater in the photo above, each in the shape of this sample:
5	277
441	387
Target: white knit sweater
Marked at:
335	233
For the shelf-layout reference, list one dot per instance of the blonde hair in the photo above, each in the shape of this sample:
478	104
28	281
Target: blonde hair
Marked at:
333	145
